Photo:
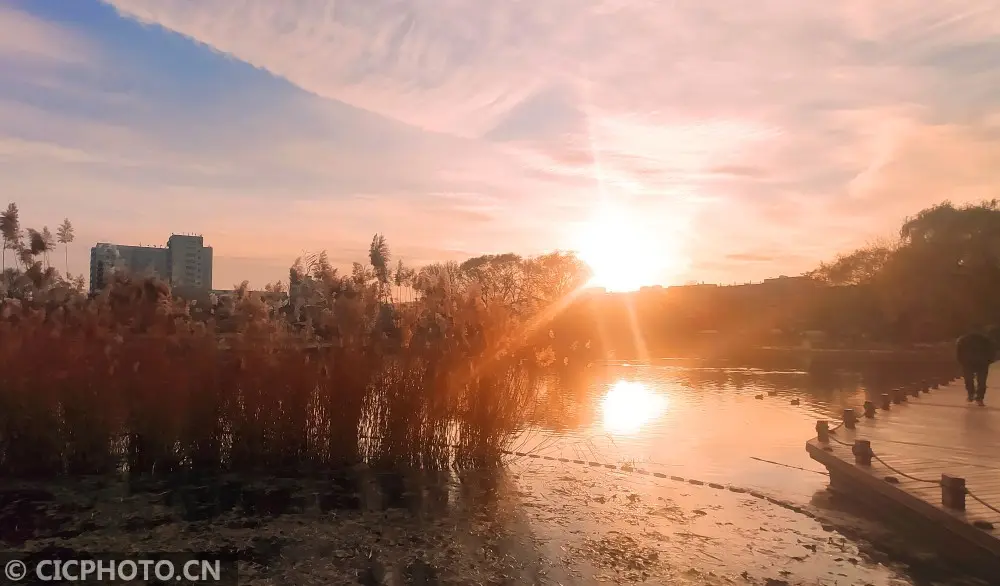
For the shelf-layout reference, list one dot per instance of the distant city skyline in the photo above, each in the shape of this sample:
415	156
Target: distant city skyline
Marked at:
665	142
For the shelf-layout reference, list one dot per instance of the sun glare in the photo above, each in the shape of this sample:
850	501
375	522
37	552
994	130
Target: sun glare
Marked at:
624	253
629	405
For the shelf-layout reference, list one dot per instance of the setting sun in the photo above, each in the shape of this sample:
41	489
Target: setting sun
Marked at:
624	253
629	405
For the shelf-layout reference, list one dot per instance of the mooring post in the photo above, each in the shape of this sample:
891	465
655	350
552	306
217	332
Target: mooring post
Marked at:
823	431
953	492
886	404
849	418
896	398
862	452
869	410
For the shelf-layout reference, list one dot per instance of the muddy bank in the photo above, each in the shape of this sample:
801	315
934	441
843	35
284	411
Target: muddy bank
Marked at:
533	524
347	529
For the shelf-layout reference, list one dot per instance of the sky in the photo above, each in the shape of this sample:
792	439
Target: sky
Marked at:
677	140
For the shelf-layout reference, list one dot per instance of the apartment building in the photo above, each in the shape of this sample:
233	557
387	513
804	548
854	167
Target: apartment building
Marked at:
185	262
189	263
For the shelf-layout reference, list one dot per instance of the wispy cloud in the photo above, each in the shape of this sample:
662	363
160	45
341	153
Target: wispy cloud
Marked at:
743	129
41	43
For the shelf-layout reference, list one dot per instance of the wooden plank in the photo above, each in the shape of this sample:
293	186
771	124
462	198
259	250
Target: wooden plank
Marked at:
932	434
959	524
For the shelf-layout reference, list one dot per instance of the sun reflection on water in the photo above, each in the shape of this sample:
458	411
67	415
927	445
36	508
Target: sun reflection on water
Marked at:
629	405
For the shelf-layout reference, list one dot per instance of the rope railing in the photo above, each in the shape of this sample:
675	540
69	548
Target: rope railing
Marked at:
633	469
982	502
953	489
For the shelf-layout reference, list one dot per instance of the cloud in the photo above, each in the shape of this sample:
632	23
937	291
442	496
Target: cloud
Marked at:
461	65
464	126
27	38
681	85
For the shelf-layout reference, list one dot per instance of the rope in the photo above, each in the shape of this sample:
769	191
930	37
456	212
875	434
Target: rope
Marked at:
982	502
717	486
840	442
915	479
789	466
891	468
904	474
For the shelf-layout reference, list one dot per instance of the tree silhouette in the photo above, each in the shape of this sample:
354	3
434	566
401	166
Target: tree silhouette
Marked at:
50	244
10	227
65	236
403	277
379	257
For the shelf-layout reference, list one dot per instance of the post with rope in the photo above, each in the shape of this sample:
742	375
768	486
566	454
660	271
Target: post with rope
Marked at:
869	410
953	492
850	419
862	452
823	431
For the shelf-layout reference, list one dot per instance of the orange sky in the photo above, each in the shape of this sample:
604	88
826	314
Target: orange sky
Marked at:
667	142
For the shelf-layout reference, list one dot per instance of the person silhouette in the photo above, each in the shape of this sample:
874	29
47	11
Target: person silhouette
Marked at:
975	352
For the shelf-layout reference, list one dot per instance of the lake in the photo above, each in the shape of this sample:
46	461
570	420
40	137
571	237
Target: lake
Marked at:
725	422
704	420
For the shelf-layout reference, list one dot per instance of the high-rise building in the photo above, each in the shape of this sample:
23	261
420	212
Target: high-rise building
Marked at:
142	260
189	262
185	262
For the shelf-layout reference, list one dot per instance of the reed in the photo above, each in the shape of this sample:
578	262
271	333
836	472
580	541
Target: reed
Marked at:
134	381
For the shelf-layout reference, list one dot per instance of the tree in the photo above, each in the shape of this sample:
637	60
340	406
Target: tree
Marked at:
65	236
361	275
403	277
379	257
856	268
37	246
439	282
10	227
50	244
554	276
242	290
938	280
500	279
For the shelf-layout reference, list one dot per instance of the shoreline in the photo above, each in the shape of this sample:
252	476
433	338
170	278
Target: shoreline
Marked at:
534	523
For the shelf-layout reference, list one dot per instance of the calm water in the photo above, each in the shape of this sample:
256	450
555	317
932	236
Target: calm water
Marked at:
703	420
699	420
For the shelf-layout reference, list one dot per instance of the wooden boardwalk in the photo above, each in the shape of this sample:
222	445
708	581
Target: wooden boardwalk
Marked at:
915	442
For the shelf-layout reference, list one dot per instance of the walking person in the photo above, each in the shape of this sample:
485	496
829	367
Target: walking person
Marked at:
975	352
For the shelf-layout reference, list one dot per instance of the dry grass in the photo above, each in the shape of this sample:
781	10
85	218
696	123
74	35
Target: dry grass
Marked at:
134	381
